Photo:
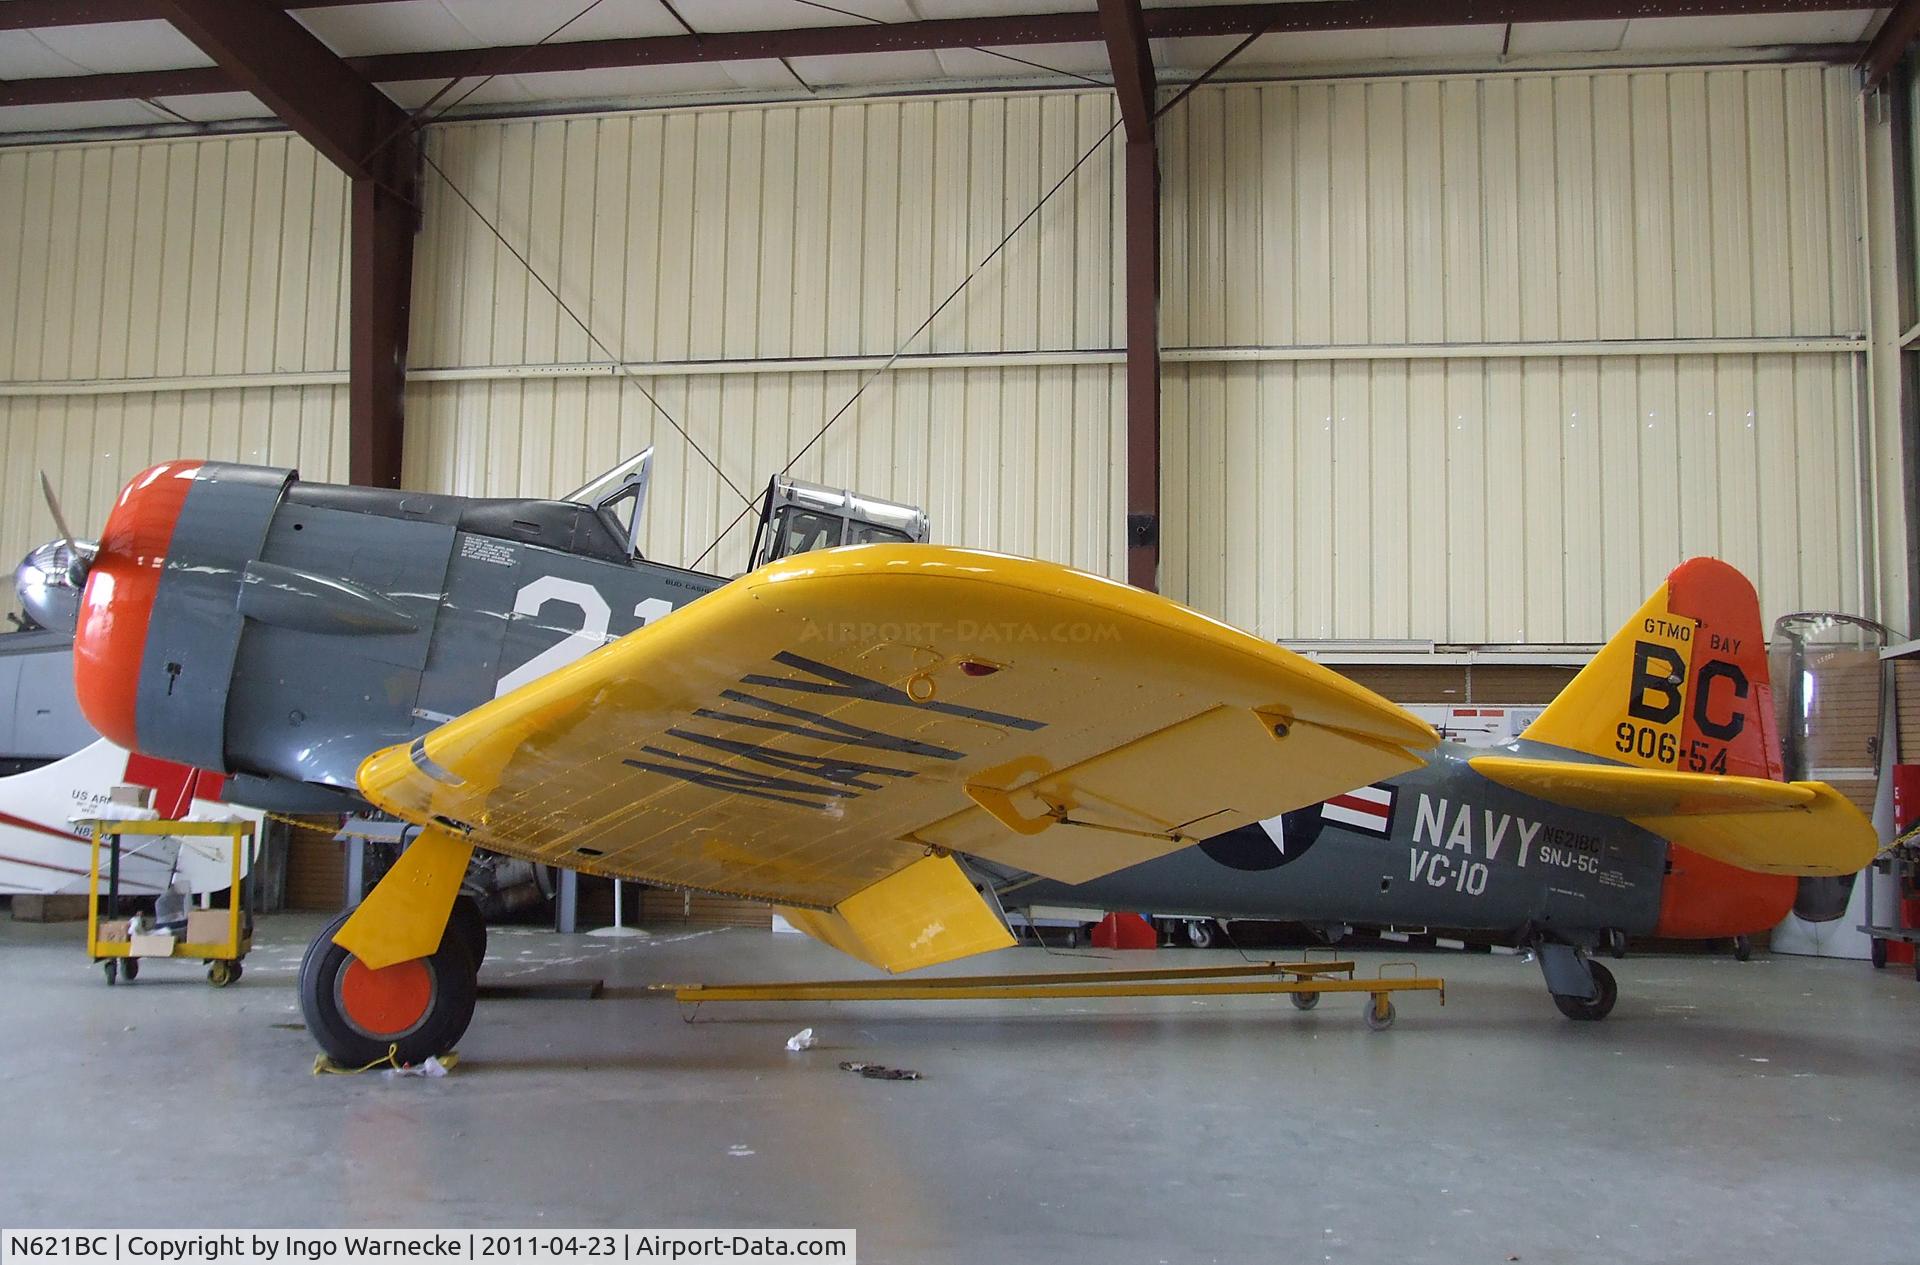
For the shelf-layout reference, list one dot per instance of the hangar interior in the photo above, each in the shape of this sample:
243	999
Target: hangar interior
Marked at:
1424	340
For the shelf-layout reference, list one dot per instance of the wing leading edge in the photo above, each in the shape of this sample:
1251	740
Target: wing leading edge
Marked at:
825	732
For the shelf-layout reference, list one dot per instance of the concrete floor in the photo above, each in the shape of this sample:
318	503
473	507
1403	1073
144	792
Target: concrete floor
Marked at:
1763	1111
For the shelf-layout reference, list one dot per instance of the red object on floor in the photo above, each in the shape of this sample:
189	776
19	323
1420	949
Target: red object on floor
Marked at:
1125	931
1900	952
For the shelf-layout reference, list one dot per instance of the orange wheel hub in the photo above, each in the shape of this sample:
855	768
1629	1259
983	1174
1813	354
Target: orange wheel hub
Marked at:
388	1002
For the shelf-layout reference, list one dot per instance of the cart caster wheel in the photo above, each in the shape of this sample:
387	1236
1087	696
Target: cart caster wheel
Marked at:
1878	953
130	969
1305	1001
1742	948
221	973
1072	939
1200	936
112	968
1602	1004
1379	1017
467	922
356	1013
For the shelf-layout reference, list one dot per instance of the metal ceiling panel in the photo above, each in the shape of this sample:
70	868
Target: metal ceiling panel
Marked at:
1757	31
215	107
73	50
1534	38
61	118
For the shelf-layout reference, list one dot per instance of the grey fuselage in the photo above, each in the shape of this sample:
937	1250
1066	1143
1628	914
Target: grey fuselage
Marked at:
1441	846
301	627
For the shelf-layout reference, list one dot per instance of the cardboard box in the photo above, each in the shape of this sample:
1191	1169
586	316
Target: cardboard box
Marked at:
58	907
114	932
207	926
151	947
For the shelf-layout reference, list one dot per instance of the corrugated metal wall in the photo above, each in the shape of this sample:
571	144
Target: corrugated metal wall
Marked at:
171	265
700	245
1460	358
1328	475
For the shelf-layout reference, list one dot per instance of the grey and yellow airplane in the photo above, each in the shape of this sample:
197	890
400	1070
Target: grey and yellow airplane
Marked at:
863	734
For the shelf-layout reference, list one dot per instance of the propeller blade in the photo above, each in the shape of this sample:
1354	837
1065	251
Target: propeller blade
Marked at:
59	519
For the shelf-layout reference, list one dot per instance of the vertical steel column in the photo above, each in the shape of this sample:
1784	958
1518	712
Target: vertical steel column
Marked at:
1124	26
1143	364
382	299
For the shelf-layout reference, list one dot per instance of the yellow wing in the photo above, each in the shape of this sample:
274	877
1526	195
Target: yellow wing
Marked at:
1754	823
822	732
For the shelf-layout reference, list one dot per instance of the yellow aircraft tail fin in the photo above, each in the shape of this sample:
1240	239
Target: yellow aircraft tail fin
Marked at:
1683	686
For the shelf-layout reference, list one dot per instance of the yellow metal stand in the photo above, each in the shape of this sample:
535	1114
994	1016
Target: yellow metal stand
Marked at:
1304	982
222	956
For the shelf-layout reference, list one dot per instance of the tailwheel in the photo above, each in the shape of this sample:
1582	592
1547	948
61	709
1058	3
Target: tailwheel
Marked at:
357	1013
1600	1005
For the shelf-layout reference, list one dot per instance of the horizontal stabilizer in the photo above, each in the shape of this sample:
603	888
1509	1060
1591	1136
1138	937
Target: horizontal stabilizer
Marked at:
1804	828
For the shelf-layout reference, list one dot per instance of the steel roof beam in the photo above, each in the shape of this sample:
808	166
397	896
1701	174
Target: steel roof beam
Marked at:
1891	42
941	33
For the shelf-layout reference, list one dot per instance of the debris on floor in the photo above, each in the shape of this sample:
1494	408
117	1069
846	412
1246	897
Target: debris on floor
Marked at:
881	1072
432	1069
801	1040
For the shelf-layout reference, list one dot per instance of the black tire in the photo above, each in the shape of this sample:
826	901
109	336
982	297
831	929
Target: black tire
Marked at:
112	969
467	922
1742	948
1600	1006
1879	954
221	972
130	969
450	987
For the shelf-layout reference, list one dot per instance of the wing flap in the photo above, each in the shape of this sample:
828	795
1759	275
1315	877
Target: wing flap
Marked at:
1804	828
1180	784
923	915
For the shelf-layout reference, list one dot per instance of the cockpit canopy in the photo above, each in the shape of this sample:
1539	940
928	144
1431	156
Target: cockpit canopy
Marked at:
797	517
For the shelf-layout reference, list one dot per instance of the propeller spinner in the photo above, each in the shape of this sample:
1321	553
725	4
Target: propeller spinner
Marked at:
49	580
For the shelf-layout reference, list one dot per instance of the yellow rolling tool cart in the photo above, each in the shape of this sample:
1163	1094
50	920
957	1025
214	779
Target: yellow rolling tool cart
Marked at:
218	937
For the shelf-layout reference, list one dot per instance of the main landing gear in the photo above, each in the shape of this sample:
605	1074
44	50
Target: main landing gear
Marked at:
1581	987
417	1008
429	942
